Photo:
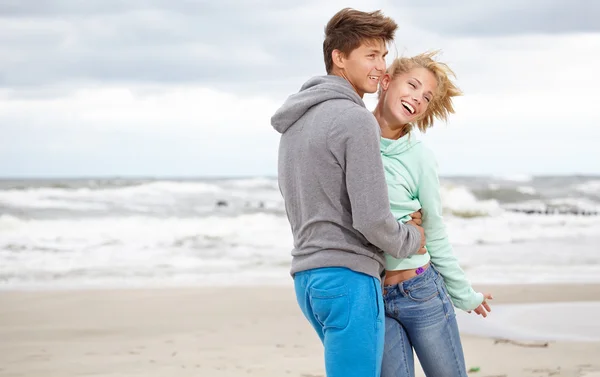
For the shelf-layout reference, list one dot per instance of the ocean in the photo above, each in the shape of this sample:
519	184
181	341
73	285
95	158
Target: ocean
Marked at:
111	233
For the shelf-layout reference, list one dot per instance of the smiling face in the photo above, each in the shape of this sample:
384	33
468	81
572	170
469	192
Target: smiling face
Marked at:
406	97
363	67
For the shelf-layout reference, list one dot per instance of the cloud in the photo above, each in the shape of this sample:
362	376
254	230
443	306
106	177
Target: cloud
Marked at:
509	17
144	108
229	45
187	88
152	42
145	130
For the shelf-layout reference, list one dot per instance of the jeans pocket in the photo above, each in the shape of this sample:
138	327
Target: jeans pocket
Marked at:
424	292
331	307
447	300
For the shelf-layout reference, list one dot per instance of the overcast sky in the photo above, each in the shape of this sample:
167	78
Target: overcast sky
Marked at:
187	88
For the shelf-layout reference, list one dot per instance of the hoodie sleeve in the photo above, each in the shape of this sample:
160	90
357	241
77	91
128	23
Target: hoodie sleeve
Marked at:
354	141
438	246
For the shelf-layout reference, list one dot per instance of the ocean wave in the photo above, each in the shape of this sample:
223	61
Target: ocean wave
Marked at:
590	187
461	202
515	178
527	190
557	206
160	197
71	184
462	197
121	231
154	187
8	222
146	248
253	183
509	228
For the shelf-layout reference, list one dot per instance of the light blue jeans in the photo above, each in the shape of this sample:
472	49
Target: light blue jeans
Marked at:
420	316
346	310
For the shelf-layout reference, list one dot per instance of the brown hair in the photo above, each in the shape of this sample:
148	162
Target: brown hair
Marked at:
441	104
349	27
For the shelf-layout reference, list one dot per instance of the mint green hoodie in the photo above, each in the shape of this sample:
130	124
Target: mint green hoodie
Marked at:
413	184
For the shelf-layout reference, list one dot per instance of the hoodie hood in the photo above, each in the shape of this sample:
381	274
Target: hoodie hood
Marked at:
389	147
315	91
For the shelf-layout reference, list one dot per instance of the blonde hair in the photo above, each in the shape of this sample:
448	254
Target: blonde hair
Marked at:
441	103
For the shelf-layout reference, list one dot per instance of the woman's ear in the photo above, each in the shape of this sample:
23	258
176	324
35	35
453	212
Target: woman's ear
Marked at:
385	82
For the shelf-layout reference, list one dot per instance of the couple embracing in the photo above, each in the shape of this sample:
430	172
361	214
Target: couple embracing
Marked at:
374	272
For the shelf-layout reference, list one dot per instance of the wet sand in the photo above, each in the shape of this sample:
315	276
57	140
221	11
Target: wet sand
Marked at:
257	331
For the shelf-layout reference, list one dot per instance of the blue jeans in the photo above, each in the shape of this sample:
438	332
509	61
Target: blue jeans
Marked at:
346	310
420	316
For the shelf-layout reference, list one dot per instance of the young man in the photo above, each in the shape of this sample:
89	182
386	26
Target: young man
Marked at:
332	181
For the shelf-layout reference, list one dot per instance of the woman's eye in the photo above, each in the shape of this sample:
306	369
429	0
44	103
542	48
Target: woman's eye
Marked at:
412	85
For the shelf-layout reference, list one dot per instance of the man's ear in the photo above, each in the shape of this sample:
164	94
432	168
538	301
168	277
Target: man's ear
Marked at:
339	59
385	82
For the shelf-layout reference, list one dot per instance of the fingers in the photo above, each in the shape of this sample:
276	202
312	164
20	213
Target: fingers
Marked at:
487	306
484	308
487	296
481	311
417	221
422	251
416	215
421	230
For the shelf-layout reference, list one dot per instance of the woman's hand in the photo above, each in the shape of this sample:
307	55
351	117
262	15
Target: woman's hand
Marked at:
484	308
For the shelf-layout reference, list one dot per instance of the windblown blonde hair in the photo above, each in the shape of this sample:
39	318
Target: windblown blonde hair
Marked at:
441	104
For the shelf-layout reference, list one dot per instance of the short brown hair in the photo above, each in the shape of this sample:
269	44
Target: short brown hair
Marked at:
349	27
441	104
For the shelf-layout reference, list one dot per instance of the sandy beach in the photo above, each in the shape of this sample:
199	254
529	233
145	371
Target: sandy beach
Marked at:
239	331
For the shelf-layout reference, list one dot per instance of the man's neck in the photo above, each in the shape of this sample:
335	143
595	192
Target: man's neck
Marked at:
342	74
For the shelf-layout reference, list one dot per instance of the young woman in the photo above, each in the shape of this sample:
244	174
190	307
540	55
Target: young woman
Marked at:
420	291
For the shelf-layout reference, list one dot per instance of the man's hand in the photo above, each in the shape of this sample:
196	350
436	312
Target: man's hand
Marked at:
417	218
484	308
416	221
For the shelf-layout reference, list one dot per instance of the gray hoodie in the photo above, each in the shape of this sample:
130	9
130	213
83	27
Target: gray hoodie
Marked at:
332	181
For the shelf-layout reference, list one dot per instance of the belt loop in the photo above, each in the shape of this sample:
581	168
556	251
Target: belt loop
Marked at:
401	288
435	270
